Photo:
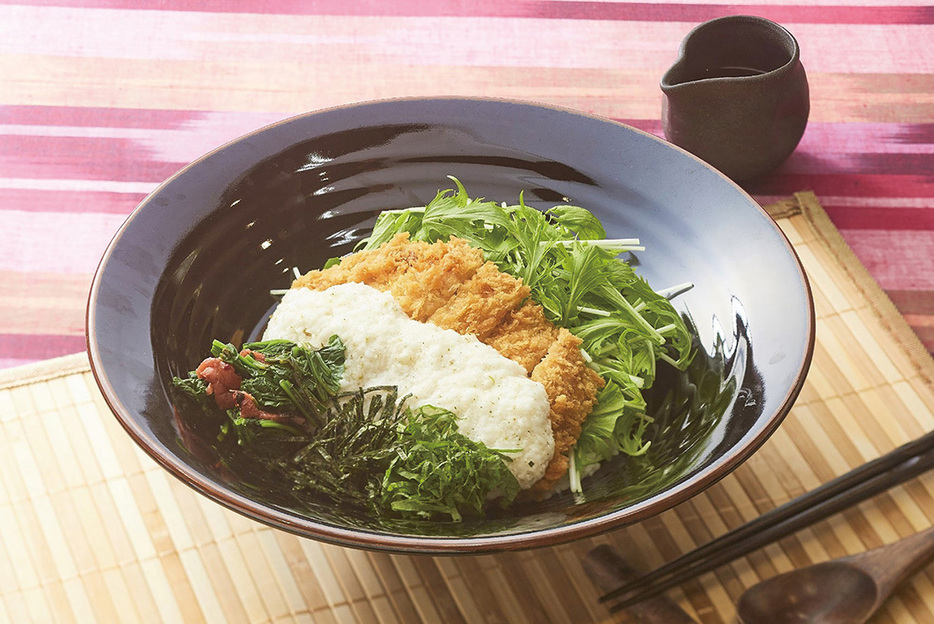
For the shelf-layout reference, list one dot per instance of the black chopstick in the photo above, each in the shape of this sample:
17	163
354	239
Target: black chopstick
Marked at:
831	489
878	475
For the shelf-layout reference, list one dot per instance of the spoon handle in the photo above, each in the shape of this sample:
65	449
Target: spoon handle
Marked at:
607	570
895	562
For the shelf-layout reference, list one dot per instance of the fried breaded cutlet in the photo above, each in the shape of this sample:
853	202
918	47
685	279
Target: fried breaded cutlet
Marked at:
421	277
448	284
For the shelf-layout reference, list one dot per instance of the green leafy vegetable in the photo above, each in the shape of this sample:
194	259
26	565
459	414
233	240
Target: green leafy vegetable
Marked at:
366	449
287	377
346	459
194	390
379	455
575	273
436	470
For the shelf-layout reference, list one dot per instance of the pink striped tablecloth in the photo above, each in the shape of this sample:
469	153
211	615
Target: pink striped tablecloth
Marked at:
100	100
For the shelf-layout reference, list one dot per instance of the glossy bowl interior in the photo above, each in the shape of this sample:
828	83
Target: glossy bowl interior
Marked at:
198	257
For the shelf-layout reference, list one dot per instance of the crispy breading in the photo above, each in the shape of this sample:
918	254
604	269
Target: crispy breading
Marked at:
420	276
572	388
376	267
449	285
434	276
481	303
524	335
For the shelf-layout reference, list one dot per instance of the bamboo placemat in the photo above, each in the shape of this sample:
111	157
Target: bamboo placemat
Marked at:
92	530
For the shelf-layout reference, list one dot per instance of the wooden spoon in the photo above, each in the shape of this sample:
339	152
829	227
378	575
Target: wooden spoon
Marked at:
842	591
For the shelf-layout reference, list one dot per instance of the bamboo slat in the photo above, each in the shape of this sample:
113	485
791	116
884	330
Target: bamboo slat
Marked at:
94	531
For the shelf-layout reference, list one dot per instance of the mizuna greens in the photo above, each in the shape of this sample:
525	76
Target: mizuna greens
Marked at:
575	273
365	449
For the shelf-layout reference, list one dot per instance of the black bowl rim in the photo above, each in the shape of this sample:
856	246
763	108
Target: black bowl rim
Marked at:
358	538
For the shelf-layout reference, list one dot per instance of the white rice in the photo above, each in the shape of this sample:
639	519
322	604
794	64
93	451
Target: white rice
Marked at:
497	404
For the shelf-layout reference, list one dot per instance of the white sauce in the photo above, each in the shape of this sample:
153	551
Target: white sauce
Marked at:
497	404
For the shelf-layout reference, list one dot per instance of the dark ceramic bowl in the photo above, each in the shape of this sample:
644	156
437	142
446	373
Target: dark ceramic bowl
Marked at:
197	259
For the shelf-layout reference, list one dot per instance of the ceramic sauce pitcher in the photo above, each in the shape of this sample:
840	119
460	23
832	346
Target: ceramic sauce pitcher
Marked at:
738	96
